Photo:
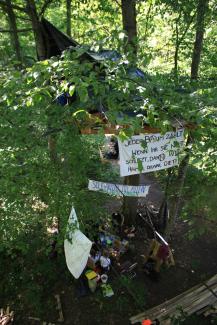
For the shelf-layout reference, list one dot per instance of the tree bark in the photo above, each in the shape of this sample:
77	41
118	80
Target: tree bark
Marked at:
176	58
176	55
68	16
130	203
37	28
198	44
128	8
13	30
176	206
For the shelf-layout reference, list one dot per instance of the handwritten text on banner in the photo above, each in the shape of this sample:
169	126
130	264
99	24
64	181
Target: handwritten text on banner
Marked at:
118	190
153	151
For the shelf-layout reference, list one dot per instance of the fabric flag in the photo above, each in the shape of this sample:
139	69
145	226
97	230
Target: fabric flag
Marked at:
77	246
119	190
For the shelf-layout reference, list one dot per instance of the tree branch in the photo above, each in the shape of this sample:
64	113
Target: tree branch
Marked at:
44	7
5	4
23	18
186	29
18	31
118	3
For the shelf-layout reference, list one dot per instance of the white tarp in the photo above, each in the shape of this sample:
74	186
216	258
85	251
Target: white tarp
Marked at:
150	152
77	249
118	189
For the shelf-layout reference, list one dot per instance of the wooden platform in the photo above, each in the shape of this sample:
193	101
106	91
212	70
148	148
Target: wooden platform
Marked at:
201	299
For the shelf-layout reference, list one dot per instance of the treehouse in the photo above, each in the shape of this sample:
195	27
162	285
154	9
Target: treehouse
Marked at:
96	118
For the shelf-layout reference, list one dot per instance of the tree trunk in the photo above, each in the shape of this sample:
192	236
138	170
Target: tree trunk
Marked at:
176	55
37	28
176	205
13	30
52	149
129	23
128	8
176	58
69	15
130	203
198	44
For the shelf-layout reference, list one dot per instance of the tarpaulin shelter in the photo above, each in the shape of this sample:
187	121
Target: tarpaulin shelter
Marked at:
56	42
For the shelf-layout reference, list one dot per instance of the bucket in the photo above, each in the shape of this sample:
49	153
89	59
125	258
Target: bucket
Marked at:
104	278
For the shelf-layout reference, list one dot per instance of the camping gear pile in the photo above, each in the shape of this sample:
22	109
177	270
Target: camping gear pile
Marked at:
107	251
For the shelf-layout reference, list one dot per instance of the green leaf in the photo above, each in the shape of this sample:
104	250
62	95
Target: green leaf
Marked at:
121	35
79	112
55	64
144	144
82	93
29	102
140	166
123	136
71	90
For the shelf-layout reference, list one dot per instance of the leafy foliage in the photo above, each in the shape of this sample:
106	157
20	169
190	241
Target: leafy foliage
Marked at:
45	161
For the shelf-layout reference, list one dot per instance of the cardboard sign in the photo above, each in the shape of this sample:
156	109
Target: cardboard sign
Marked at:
118	190
150	152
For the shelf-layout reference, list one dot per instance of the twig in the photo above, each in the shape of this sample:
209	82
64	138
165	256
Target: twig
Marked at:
59	308
18	31
44	7
4	3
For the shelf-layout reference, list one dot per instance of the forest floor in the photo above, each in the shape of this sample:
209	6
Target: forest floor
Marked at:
195	262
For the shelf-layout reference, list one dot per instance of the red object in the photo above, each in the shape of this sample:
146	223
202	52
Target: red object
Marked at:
163	252
146	322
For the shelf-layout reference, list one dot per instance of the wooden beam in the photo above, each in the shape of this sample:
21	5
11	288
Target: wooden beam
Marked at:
193	300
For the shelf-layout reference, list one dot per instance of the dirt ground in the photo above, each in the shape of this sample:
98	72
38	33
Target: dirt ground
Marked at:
195	262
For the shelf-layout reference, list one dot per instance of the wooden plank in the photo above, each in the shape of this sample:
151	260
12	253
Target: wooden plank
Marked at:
191	293
191	300
116	129
59	308
195	308
165	305
189	308
194	302
212	281
172	309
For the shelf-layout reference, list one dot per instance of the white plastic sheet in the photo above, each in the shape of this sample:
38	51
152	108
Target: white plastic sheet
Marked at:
77	246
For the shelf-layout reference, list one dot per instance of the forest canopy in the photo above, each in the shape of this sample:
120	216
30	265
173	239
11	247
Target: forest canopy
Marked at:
162	75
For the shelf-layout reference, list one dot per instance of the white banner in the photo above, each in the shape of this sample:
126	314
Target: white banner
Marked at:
150	152
118	190
77	248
